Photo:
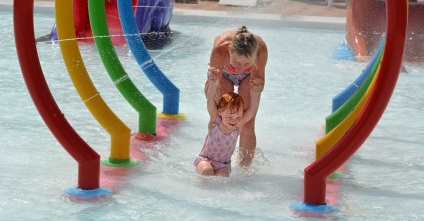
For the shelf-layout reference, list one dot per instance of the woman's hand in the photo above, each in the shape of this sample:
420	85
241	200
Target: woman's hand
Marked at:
256	85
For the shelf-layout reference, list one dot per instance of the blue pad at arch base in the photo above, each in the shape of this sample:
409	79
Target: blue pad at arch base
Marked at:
88	193
312	208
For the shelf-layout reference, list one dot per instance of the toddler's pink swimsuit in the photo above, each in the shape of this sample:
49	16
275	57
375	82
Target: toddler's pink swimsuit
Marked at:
218	148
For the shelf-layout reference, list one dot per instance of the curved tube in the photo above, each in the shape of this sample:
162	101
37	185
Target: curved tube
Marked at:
145	109
317	172
88	160
170	92
329	140
344	95
334	119
120	133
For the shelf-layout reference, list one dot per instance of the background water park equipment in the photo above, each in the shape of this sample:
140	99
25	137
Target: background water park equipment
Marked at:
152	18
87	158
366	21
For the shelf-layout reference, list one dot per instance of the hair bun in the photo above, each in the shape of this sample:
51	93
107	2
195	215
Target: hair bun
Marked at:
242	29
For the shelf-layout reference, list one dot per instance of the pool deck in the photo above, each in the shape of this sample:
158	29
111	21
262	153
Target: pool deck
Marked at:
313	14
316	9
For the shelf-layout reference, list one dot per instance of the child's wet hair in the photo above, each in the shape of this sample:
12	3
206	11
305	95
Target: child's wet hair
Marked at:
230	101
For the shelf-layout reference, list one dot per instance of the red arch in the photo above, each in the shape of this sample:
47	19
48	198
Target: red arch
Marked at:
88	160
317	173
83	26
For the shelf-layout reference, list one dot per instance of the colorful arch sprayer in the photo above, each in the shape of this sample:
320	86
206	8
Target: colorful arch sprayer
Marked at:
368	111
87	158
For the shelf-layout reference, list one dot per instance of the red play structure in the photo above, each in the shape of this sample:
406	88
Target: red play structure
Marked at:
366	21
82	21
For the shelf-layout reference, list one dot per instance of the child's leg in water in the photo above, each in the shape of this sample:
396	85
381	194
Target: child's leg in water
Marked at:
222	172
205	168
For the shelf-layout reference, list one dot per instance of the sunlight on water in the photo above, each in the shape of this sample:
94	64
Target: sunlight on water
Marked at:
383	180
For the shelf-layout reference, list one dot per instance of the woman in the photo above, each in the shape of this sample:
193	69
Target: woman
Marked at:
239	56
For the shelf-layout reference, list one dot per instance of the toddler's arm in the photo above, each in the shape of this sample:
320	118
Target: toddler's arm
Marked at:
213	78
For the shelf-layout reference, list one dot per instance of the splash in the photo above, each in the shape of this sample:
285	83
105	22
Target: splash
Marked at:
259	161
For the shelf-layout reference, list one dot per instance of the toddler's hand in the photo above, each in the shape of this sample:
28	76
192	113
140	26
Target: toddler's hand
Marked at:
213	74
256	85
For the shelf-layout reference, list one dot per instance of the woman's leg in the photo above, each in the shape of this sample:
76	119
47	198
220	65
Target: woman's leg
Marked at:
247	143
248	136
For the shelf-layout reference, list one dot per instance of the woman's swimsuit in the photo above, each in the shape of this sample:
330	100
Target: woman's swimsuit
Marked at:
229	73
218	148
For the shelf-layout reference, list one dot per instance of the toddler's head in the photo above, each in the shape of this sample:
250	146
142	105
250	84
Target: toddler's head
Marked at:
230	101
230	108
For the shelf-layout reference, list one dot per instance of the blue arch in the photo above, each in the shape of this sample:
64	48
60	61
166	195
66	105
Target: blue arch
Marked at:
171	94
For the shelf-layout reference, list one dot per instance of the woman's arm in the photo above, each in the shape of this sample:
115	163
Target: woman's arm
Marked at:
258	70
219	56
256	87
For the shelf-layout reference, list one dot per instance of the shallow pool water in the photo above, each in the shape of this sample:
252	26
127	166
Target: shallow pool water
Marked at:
384	180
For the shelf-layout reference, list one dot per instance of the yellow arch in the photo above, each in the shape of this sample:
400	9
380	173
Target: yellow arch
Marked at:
326	142
120	133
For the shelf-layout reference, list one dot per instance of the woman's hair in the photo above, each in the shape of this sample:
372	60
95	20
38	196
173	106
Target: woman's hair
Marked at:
230	101
244	43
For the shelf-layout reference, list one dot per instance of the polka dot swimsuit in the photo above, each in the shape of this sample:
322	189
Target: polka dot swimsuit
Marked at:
219	147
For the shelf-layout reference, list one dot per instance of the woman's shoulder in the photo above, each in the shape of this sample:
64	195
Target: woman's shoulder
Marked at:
220	46
223	39
228	33
263	48
260	40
